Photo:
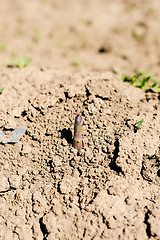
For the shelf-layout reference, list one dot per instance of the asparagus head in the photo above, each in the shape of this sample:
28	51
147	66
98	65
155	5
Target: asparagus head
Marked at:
77	140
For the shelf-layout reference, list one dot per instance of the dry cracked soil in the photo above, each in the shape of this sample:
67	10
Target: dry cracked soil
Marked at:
111	188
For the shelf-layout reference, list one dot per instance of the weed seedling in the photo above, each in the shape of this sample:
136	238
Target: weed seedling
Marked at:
138	124
143	80
76	63
1	90
23	62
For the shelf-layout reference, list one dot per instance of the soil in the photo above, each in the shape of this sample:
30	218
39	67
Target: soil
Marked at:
111	188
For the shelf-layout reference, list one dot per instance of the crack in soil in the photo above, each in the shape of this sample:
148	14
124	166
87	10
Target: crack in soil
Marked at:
43	229
104	220
113	165
101	97
148	226
87	91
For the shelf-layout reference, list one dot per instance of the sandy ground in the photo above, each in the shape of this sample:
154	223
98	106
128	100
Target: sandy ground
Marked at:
79	50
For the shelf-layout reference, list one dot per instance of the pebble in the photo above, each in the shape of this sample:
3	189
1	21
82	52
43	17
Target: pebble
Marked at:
14	181
64	142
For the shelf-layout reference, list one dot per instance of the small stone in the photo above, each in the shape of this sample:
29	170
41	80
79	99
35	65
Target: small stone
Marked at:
129	200
14	181
113	190
17	134
64	142
27	148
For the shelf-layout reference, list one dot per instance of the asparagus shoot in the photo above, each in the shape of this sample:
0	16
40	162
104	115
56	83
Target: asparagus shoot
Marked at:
77	140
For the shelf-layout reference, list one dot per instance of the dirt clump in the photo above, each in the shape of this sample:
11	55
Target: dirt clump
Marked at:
110	188
63	58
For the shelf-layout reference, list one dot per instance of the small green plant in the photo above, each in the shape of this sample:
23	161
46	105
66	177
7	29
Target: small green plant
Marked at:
143	80
138	124
23	62
77	140
76	63
1	90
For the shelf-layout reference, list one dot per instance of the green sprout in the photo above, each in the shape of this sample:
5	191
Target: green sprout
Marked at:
138	124
76	63
77	140
1	90
23	62
143	80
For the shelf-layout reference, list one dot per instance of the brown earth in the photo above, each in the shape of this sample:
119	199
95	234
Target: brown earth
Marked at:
111	188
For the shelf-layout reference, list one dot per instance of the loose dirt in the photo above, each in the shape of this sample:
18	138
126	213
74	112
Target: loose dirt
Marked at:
79	50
